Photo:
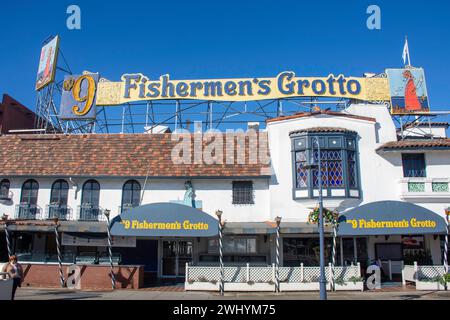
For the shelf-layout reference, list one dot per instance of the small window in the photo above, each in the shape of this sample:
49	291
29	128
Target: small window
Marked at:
413	165
243	192
4	189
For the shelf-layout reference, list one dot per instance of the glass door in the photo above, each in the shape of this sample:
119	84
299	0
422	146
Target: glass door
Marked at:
175	255
184	255
169	259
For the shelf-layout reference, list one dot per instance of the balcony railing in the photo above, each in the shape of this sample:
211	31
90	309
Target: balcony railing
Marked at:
425	188
6	195
90	213
61	212
26	211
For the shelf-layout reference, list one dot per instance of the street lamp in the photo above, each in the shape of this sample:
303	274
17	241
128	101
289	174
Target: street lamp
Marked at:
219	216
312	164
8	243
107	212
277	270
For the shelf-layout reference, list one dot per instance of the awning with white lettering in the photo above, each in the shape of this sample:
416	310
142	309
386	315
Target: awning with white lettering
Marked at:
390	218
164	219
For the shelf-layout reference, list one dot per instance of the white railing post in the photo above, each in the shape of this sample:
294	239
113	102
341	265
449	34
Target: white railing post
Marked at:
416	272
187	272
273	272
302	272
358	270
390	269
330	274
403	274
248	272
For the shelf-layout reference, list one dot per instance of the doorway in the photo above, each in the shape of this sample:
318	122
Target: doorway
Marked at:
175	255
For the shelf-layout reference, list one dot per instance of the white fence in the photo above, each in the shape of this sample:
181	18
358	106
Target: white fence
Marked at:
424	277
263	278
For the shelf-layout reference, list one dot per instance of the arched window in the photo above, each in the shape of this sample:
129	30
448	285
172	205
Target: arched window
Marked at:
58	200
131	194
60	192
89	201
28	200
91	193
4	189
29	194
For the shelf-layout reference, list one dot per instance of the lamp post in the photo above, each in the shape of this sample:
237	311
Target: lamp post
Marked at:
277	270
219	216
8	243
58	251
312	164
107	212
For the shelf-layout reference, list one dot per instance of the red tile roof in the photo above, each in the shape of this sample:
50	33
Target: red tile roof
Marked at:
414	144
127	155
324	112
321	129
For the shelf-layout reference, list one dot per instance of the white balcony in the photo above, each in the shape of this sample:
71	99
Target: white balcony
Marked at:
436	189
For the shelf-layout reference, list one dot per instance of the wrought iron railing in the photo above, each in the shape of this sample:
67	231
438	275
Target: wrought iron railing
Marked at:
90	213
61	212
26	211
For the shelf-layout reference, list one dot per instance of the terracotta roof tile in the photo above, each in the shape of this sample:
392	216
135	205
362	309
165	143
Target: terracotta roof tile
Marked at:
111	155
321	129
322	112
416	144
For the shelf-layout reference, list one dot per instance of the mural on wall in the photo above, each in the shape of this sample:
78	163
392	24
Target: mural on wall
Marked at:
408	91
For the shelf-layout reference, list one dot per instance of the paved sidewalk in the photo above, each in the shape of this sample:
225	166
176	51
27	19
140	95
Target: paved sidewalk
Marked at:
65	294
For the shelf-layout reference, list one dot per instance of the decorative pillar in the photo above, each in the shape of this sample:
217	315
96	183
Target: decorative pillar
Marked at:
277	270
8	243
221	282
108	228
58	251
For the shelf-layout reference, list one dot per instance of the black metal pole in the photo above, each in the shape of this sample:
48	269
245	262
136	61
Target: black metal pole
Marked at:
323	281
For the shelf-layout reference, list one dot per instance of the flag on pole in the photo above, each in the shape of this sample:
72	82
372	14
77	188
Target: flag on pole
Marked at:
406	53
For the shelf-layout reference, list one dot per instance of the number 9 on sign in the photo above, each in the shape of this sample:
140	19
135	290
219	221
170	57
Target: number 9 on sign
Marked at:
87	98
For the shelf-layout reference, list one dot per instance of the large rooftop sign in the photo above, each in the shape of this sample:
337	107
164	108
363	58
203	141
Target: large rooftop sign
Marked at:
82	92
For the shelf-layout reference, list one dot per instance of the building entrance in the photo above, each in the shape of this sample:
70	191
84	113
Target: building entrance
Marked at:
175	255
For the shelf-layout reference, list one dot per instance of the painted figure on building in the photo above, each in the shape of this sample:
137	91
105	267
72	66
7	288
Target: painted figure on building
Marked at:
189	195
411	99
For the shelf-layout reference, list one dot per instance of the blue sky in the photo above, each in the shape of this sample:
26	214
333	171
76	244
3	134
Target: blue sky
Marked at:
223	39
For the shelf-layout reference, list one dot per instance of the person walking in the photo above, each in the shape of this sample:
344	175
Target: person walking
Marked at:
15	271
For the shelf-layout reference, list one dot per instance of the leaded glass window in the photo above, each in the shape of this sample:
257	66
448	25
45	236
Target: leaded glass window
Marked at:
338	163
301	172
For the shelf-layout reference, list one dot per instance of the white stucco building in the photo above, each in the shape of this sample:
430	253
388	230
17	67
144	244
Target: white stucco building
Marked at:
364	161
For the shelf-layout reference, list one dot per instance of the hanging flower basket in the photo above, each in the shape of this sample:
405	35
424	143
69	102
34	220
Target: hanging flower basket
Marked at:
330	217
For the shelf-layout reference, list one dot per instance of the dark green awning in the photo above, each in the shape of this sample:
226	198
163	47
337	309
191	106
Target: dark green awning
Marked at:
390	218
164	219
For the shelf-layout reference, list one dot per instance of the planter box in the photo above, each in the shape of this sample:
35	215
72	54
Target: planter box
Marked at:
301	286
243	286
201	286
433	286
350	286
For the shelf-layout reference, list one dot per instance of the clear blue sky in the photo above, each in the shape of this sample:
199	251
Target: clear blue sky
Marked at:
222	39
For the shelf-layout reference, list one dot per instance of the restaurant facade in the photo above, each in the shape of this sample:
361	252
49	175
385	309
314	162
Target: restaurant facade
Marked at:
389	188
